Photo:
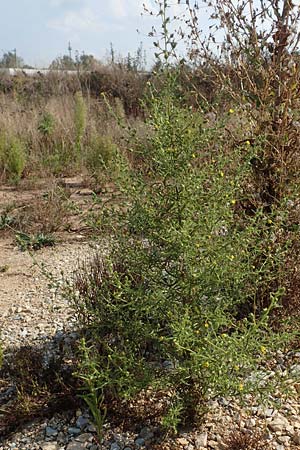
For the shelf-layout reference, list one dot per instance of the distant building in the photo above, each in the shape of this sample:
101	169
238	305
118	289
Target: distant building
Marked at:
33	72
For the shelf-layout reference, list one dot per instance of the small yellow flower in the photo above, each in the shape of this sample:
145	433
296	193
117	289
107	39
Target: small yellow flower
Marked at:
198	245
270	221
233	201
263	349
206	325
206	364
241	387
221	173
193	155
232	257
231	111
236	368
224	335
248	143
197	331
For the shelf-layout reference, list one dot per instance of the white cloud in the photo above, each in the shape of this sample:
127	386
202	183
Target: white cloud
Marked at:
118	9
58	3
128	8
74	21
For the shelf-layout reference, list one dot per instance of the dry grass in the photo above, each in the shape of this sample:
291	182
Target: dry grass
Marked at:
246	440
47	130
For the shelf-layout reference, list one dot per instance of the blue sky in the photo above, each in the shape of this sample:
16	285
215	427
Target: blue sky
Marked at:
41	29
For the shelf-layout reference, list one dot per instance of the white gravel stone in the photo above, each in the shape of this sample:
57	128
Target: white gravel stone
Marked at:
201	440
279	423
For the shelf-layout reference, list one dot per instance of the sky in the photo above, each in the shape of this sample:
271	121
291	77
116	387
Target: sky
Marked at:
40	30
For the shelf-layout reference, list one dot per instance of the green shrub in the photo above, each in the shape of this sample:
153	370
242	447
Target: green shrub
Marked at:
182	302
12	157
100	155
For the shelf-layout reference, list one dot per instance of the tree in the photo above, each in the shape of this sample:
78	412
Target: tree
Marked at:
11	60
82	62
86	62
64	62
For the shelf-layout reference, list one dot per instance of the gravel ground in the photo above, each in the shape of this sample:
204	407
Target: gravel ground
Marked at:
33	312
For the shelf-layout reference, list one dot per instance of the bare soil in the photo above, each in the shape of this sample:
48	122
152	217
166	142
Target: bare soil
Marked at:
26	296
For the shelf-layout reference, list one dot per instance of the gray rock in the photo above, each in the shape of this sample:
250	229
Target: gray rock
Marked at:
82	422
201	440
284	440
146	433
139	442
91	428
168	365
51	432
85	437
295	369
265	412
49	446
62	438
279	447
74	430
223	401
279	423
115	446
76	446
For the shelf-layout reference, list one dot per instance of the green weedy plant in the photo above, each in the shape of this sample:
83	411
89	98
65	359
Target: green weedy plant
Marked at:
182	302
12	157
177	305
100	155
80	116
94	381
34	242
6	220
46	124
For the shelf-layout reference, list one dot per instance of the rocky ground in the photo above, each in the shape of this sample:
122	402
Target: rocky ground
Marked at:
33	311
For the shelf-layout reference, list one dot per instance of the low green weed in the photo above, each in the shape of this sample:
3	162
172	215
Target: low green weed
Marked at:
34	242
46	124
93	379
6	221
